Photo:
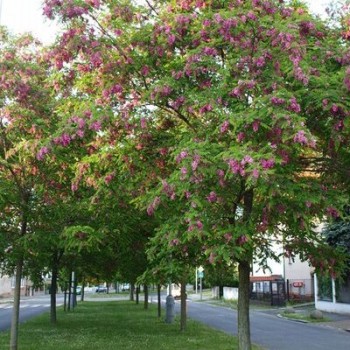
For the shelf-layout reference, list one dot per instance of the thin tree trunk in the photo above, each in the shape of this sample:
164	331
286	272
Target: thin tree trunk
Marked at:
137	294
53	314
145	287
16	303
132	290
183	317
159	301
82	296
244	342
69	291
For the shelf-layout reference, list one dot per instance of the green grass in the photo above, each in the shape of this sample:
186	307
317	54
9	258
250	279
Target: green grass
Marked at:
303	317
114	325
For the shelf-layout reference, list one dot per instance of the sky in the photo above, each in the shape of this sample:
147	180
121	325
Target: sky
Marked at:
26	16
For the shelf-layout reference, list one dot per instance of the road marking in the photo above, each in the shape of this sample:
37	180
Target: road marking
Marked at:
23	306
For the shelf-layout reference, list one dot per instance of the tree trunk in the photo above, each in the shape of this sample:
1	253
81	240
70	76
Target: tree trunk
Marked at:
137	294
244	342
159	301
16	302
69	292
145	287
183	319
53	314
132	289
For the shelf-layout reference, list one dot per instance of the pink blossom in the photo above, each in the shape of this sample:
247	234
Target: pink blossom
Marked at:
212	257
174	242
96	126
234	165
210	51
109	178
183	170
228	237
267	163
300	137
332	212
220	173
260	62
195	162
145	70
255	173
181	156
256	124
65	139
277	101
251	15
153	206
93	3
143	123
212	198
240	136
171	39
80	133
294	106
199	224
339	125
247	160
308	204
42	153
117	89
206	108
224	126
241	240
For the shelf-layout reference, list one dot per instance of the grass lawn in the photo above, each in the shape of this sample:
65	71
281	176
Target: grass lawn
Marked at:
112	325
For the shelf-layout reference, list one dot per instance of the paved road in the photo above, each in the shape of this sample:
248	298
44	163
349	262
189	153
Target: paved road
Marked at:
270	331
29	307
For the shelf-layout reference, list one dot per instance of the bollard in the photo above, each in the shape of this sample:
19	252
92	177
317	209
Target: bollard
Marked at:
170	309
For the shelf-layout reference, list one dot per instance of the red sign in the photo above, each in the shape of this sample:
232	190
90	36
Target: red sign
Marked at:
298	284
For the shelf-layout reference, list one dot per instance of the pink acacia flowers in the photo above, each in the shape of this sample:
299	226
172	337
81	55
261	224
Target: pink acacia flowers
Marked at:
42	153
153	206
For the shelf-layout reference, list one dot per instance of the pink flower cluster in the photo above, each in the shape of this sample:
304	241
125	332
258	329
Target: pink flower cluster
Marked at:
153	206
42	153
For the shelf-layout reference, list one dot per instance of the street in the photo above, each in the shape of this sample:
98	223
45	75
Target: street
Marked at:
29	308
270	331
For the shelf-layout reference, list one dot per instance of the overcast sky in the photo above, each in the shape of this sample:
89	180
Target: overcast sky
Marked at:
26	16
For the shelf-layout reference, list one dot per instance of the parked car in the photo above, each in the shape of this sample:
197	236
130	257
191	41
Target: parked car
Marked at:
78	290
101	289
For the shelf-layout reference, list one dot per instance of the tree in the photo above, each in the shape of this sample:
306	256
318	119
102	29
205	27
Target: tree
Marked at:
252	98
25	117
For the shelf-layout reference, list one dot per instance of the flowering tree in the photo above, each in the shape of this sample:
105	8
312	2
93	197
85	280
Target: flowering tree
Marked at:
240	106
25	118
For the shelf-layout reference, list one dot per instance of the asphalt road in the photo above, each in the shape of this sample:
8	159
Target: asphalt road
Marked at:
270	331
29	307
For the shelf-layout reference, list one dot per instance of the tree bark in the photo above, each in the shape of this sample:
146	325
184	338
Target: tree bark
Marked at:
16	303
244	342
53	313
183	317
145	287
132	289
159	301
137	294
